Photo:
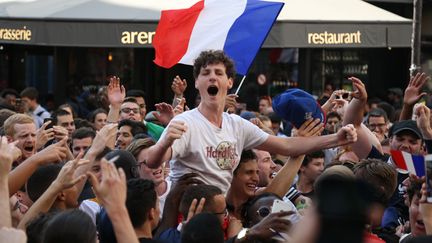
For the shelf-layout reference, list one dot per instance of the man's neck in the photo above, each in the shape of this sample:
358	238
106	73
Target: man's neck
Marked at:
144	231
304	185
236	200
212	114
161	188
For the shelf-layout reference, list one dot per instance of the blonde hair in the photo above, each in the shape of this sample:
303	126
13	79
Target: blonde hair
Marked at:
139	144
9	124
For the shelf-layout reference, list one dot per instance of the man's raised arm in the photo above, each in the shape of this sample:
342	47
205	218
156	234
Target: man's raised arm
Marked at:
162	150
354	115
296	146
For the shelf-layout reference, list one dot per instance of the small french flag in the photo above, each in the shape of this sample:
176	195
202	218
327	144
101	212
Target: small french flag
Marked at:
414	164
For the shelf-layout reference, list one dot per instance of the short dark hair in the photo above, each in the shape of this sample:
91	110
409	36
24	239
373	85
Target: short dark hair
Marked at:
389	109
377	112
9	92
141	197
314	155
130	100
197	192
35	226
246	156
380	175
135	93
213	57
79	123
334	114
136	126
92	116
83	132
31	93
70	226
4	115
274	117
41	179
57	113
126	161
203	227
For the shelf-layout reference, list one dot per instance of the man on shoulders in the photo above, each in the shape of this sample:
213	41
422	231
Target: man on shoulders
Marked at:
209	141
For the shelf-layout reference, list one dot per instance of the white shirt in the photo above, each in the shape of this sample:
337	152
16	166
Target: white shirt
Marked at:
39	114
210	151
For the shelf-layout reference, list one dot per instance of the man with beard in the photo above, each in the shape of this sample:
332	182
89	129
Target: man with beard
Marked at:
209	141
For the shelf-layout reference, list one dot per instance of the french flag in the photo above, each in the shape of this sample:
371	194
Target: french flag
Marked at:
414	164
239	27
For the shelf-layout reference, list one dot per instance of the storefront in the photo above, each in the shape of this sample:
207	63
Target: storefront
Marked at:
50	43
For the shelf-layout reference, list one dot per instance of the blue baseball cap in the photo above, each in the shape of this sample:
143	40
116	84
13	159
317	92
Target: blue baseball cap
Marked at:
296	106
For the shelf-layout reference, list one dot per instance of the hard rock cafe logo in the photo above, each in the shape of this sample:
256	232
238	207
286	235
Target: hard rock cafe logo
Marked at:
224	154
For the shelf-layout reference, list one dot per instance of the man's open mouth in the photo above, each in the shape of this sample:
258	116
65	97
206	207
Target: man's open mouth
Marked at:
212	90
28	148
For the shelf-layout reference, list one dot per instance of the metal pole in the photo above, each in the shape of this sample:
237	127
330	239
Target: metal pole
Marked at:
416	37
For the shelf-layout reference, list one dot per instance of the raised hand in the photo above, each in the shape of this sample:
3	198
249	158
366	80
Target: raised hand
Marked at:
44	135
347	135
310	128
60	132
180	107
164	114
231	102
178	86
116	91
103	137
359	89
271	225
8	154
54	153
174	131
195	208
423	121
65	178
412	91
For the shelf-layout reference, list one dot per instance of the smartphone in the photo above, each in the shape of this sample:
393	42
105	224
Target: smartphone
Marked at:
428	170
49	125
282	206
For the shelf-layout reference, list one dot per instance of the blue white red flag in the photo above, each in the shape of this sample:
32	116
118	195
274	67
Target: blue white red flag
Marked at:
239	27
414	164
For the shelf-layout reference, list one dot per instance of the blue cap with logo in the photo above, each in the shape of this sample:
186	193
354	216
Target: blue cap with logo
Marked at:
296	106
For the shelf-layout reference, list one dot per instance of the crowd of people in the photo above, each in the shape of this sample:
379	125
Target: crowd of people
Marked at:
214	173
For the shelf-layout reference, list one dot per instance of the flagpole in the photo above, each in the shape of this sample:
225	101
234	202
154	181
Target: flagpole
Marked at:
241	83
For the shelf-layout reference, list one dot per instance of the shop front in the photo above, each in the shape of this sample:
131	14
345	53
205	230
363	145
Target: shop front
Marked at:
49	44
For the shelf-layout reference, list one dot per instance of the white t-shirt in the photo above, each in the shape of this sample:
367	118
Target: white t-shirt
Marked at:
91	208
162	197
210	151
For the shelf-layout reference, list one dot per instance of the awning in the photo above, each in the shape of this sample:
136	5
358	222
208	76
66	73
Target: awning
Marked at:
131	23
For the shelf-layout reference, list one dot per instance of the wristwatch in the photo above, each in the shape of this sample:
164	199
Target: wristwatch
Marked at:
242	235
